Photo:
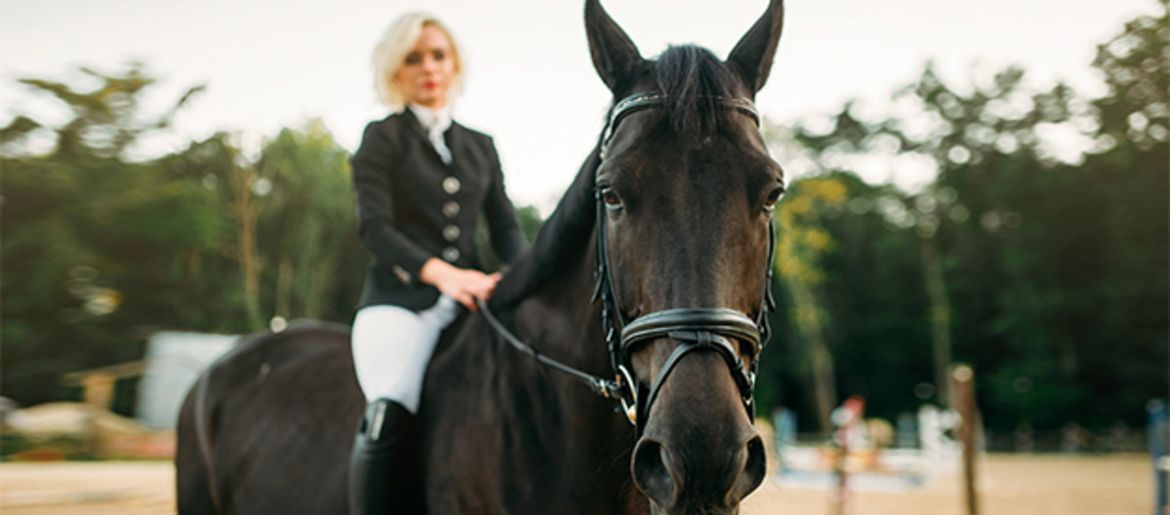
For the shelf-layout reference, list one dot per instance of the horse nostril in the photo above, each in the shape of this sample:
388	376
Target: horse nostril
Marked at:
652	472
754	469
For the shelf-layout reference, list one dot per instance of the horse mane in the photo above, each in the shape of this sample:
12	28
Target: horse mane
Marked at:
693	80
564	236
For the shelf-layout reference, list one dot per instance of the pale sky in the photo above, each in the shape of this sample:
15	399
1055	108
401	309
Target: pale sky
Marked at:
530	83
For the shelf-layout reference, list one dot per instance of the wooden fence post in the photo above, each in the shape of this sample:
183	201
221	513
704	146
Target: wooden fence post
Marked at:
963	391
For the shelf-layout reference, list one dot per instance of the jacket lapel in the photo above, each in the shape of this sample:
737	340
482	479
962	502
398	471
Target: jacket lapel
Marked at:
415	126
417	131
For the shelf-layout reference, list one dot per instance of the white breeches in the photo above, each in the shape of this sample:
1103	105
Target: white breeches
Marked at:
392	346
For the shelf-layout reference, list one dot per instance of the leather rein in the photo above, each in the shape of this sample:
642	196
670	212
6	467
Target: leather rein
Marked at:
694	329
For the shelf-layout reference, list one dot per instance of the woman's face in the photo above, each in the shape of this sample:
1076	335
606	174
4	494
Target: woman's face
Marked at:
429	69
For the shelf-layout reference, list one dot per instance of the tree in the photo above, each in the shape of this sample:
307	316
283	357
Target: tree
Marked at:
307	226
81	224
1045	268
100	251
799	248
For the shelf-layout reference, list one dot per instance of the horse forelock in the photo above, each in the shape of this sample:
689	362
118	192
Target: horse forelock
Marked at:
694	81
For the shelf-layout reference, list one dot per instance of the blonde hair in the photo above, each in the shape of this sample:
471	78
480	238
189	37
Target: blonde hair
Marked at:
390	54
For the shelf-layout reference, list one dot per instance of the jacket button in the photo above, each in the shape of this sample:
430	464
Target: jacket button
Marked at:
450	209
451	254
451	185
451	232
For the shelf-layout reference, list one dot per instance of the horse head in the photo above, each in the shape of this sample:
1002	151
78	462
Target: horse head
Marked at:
685	190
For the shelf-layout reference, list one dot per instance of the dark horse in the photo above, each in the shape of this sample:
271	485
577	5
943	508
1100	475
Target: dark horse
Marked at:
683	196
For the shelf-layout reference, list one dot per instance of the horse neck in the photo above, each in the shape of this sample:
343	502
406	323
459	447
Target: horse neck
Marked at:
562	322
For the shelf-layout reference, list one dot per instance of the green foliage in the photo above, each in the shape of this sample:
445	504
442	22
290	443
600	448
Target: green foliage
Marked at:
307	225
1053	265
530	221
83	234
874	326
99	252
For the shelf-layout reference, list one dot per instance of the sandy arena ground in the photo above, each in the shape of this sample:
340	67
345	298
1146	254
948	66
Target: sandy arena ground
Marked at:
1010	485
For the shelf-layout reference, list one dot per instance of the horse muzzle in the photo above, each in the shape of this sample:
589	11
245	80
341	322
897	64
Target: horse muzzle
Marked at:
699	452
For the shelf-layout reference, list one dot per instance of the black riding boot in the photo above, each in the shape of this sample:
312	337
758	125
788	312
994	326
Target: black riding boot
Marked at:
382	475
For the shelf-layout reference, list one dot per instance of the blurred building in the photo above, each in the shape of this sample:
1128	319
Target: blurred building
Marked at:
174	361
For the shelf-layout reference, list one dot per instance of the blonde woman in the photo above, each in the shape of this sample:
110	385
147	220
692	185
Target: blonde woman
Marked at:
421	181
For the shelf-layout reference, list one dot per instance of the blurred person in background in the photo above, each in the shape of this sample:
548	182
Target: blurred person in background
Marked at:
421	181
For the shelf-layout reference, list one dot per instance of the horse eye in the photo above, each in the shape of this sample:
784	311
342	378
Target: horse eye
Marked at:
773	197
611	199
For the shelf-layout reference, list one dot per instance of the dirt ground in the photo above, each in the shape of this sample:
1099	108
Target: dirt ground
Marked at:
1009	485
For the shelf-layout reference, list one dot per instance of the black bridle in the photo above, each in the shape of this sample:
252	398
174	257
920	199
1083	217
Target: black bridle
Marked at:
694	329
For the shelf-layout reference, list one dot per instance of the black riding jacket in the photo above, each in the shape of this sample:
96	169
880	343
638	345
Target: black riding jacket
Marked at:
411	206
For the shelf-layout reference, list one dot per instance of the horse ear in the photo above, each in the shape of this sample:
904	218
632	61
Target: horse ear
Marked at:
752	56
614	55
